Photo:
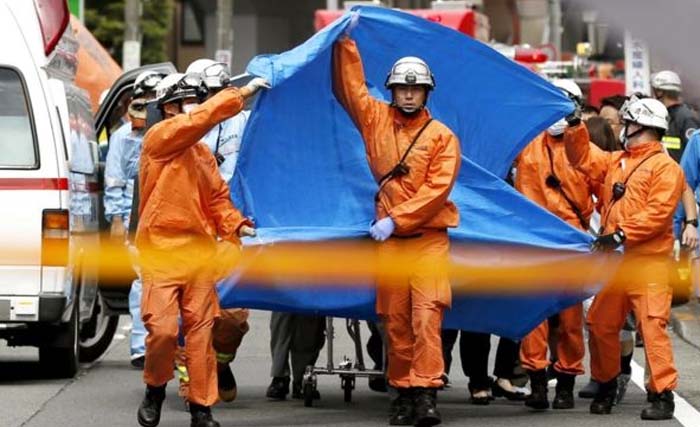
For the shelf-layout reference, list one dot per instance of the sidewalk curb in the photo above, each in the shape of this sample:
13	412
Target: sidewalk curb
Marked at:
685	321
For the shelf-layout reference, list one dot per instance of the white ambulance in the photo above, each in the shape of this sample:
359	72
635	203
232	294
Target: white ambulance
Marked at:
49	193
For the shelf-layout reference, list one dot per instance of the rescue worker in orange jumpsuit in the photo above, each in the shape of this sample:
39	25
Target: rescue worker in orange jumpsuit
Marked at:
187	220
641	188
224	141
543	175
415	161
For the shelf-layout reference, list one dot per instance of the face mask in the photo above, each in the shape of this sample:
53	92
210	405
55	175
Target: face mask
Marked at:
623	137
410	111
557	128
187	108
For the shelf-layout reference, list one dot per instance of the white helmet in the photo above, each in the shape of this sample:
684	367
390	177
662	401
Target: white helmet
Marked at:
410	71
647	112
666	80
146	82
570	88
178	86
214	74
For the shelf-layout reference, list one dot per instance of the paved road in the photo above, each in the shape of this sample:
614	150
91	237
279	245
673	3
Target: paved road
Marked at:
108	392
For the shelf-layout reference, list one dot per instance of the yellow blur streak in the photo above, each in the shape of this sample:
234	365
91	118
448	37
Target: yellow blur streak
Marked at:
472	268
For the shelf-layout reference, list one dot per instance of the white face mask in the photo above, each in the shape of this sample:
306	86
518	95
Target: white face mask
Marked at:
623	137
188	107
557	128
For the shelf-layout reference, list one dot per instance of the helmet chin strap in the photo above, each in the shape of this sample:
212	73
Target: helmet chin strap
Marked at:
410	113
632	135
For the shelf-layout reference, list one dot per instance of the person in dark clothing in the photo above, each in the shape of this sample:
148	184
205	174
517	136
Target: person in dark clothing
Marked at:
474	348
375	349
683	121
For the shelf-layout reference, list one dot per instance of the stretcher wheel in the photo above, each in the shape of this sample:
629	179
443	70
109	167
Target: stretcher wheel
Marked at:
348	385
308	391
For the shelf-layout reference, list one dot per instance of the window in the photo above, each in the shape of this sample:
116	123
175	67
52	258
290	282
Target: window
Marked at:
191	24
18	148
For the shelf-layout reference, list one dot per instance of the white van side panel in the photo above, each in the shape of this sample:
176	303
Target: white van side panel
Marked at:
25	193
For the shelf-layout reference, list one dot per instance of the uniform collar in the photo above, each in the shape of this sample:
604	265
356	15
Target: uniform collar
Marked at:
552	140
645	148
418	120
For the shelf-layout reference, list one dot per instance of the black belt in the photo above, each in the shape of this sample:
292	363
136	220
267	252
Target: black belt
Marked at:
415	235
407	236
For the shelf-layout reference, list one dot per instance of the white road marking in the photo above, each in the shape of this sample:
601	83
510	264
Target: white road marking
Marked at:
119	336
685	413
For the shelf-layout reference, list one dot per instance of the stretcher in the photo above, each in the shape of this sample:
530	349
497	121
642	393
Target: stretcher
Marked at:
348	370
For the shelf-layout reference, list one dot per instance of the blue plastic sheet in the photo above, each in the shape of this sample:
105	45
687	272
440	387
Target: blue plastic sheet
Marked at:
302	173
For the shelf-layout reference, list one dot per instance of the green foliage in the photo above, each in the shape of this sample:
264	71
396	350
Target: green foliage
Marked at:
105	19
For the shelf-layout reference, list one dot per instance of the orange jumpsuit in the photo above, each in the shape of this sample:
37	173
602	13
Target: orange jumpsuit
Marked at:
184	206
543	157
411	308
645	215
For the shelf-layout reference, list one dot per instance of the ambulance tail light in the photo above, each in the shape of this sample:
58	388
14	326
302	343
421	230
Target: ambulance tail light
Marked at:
53	20
55	230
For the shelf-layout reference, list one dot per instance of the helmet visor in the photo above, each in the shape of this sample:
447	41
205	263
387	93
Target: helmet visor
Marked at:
215	70
190	81
415	68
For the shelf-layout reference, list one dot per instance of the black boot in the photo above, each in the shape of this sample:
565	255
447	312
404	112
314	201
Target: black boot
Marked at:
377	383
402	408
278	389
298	391
426	409
201	416
228	389
589	390
605	398
661	407
564	397
538	383
149	411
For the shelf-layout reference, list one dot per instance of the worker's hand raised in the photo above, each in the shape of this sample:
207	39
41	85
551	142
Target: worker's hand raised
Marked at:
246	231
254	86
354	19
574	119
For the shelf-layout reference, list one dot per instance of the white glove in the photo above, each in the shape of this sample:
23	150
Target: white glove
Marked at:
246	231
354	20
256	84
382	229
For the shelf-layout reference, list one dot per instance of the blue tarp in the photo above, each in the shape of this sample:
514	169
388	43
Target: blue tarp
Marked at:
302	173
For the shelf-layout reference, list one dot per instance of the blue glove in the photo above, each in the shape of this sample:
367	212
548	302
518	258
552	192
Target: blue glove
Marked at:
382	229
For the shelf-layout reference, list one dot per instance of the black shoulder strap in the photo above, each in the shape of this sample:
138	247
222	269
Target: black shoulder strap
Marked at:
641	163
607	216
218	139
392	173
574	207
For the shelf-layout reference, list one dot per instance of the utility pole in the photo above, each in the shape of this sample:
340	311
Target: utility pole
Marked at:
555	29
224	32
131	52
